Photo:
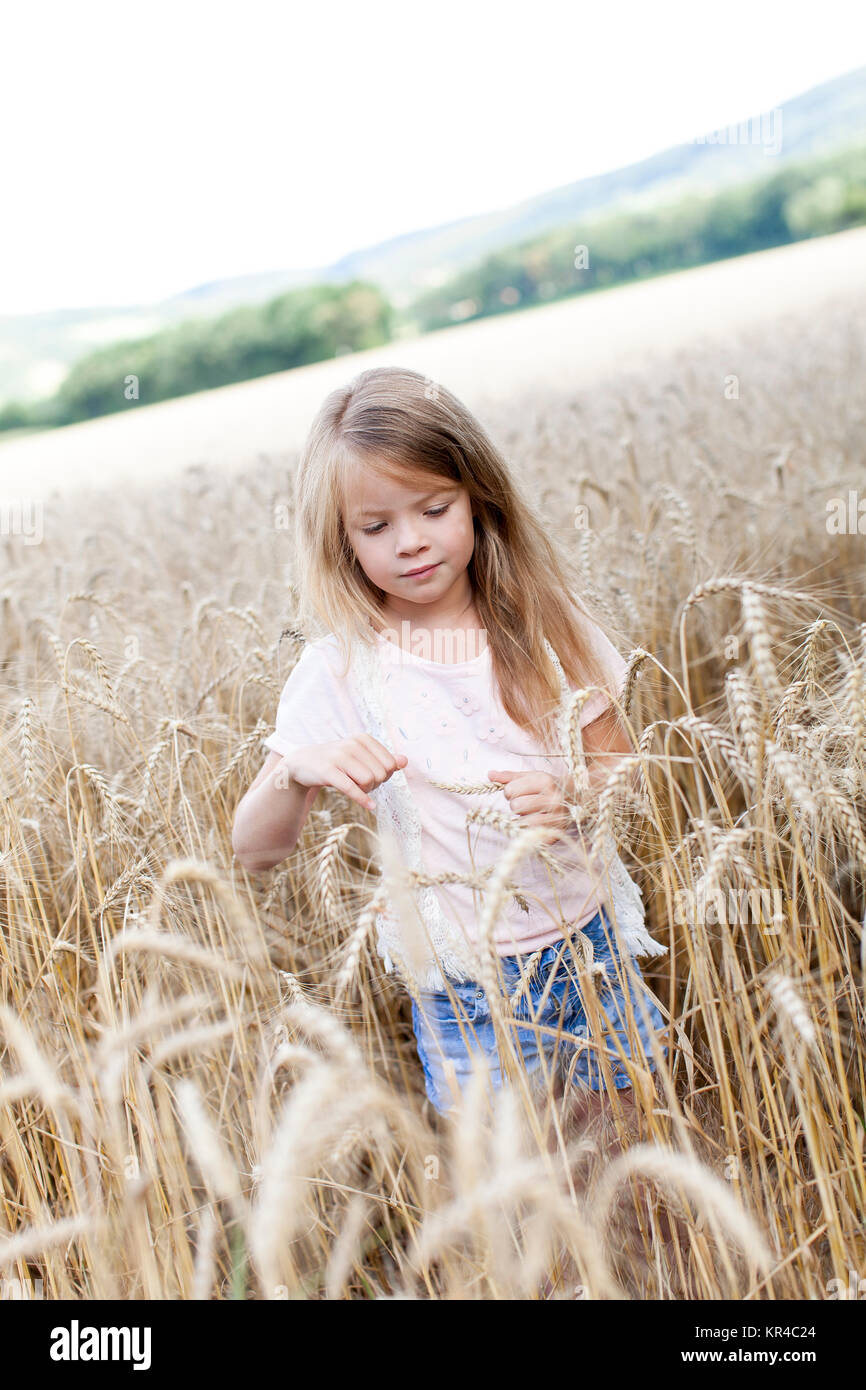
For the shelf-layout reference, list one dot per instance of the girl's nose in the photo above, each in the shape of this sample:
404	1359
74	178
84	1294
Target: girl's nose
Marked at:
408	541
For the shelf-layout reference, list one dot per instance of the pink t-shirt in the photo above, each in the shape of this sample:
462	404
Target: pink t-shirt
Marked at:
448	721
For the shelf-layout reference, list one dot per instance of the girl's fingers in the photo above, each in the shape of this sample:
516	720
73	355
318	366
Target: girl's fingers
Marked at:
554	817
373	763
364	771
344	783
380	751
527	802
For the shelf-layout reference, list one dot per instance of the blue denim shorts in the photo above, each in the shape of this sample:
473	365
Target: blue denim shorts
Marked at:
558	1032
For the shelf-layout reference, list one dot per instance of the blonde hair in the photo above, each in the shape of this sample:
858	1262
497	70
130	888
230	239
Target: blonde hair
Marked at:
397	420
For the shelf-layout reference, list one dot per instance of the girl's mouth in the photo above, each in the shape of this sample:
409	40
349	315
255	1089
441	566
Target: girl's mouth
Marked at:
419	574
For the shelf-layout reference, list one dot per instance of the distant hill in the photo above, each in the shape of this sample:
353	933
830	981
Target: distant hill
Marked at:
36	350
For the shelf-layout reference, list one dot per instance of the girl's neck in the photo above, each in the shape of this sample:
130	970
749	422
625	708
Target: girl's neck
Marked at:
467	619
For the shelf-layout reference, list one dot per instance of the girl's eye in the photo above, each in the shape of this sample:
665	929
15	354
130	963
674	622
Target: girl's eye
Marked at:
431	511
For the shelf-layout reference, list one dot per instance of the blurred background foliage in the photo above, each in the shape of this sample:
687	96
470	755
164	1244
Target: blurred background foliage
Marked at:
812	197
808	199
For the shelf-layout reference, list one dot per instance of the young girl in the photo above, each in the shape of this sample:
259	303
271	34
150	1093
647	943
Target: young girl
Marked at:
455	641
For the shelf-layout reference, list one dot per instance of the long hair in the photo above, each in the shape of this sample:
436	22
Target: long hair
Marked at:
525	589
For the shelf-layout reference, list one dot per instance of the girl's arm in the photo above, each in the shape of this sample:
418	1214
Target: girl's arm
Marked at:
270	817
313	708
606	742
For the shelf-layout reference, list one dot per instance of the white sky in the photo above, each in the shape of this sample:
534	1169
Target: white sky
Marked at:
150	148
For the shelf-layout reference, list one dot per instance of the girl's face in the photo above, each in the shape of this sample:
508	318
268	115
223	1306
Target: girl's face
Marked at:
396	526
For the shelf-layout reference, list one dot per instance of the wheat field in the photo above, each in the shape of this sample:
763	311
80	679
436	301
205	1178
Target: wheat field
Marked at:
208	1087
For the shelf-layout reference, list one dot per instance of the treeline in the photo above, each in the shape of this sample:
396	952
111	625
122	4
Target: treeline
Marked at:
302	326
801	200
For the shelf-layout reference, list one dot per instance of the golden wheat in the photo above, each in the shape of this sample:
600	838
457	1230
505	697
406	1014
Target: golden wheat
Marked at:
192	1058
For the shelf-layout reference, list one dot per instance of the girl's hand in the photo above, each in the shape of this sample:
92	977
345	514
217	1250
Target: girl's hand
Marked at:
352	765
538	798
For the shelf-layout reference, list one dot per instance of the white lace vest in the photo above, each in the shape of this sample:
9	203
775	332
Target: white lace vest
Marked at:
396	809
